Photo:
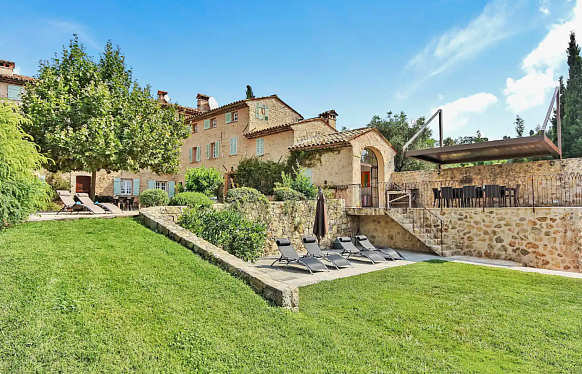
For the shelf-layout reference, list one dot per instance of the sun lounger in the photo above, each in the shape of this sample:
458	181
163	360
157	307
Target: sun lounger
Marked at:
363	242
313	250
89	204
290	255
69	204
345	244
112	208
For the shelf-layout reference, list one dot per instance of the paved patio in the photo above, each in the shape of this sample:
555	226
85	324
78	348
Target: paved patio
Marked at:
296	275
52	216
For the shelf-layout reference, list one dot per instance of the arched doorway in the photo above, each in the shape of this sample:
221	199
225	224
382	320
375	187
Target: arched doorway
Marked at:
369	196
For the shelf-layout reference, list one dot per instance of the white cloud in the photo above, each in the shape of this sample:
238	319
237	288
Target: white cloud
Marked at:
540	65
17	70
65	28
544	10
457	44
456	114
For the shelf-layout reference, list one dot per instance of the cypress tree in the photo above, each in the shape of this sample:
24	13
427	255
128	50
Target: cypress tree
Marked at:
572	120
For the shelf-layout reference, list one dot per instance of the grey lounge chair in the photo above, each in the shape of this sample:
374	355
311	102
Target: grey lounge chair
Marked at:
111	208
290	255
69	204
313	250
362	241
345	244
89	204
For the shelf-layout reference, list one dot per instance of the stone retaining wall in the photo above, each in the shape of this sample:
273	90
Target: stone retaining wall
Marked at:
162	220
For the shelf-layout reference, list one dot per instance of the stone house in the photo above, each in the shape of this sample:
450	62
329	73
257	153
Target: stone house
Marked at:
11	84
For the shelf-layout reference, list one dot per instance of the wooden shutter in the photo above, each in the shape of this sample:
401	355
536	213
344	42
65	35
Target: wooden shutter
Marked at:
228	117
135	189
171	188
217	149
208	151
266	112
151	185
14	92
198	153
233	146
260	147
116	186
206	124
257	112
190	159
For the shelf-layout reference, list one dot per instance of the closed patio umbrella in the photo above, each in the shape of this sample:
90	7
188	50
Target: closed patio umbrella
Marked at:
320	223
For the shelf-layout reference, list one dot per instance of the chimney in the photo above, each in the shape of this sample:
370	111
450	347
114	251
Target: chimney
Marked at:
203	104
7	67
329	117
161	96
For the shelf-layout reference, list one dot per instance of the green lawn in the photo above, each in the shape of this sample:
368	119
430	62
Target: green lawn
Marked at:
105	296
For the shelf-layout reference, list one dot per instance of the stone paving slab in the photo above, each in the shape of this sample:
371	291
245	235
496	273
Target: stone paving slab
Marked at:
298	276
52	216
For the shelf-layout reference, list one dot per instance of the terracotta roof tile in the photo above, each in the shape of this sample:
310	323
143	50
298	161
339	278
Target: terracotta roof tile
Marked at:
15	78
338	139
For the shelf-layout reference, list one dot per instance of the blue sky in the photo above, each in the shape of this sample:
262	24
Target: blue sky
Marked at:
483	62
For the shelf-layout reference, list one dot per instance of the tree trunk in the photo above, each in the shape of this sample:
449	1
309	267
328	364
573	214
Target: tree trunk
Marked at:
93	184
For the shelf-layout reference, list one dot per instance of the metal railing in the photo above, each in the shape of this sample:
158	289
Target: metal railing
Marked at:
426	222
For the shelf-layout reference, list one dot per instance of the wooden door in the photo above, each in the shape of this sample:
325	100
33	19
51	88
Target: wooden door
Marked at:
83	184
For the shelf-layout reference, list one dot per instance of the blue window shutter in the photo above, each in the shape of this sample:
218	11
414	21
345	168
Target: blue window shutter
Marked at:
260	147
208	151
116	186
217	149
190	154
171	188
206	124
14	92
266	112
257	112
198	153
151	184
135	187
228	117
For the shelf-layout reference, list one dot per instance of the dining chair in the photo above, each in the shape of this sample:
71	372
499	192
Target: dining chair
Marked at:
447	196
469	196
436	197
492	193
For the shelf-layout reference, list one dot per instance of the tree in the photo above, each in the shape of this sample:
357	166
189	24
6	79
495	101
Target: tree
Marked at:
21	192
398	131
572	120
203	180
92	116
519	126
250	94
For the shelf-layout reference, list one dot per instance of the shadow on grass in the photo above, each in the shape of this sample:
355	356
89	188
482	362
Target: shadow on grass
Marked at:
436	261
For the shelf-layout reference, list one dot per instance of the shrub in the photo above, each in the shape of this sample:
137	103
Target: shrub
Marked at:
191	199
204	180
300	182
259	174
286	193
249	202
227	229
154	197
21	192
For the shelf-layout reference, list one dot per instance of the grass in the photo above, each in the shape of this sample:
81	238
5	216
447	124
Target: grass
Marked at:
95	296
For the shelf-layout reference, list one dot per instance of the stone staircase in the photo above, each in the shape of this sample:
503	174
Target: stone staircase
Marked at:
427	234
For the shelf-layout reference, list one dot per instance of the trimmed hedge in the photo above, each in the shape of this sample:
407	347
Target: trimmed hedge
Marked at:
154	197
227	229
191	199
286	193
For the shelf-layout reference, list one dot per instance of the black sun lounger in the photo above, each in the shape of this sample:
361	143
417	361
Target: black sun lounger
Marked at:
345	244
290	255
310	243
363	242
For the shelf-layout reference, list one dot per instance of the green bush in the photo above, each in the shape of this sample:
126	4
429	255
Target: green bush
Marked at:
227	229
21	192
154	197
204	180
191	199
245	195
259	174
286	193
299	182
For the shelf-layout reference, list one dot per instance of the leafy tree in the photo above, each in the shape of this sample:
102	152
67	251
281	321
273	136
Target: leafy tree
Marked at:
259	174
90	116
572	121
21	192
250	94
398	130
203	180
519	126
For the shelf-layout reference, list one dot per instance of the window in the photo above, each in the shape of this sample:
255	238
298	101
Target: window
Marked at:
260	147
235	117
194	154
214	123
216	151
162	186
206	124
233	146
228	118
126	187
262	111
14	92
195	127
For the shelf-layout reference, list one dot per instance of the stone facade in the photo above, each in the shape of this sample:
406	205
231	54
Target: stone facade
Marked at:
548	182
383	231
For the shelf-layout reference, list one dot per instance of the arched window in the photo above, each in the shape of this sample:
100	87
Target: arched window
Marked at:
369	158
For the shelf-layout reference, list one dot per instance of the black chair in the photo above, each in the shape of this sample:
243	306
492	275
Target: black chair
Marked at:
313	250
469	196
290	255
502	195
458	196
447	196
437	197
492	192
480	195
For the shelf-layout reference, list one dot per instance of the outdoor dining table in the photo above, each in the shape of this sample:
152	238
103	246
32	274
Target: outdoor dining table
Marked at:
464	197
